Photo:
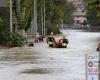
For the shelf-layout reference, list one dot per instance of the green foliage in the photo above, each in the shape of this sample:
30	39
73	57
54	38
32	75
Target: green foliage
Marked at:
55	11
68	11
7	38
92	18
4	32
52	28
93	12
28	20
22	23
17	39
25	15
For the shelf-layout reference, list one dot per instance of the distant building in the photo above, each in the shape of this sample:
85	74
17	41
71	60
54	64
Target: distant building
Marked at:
4	10
79	14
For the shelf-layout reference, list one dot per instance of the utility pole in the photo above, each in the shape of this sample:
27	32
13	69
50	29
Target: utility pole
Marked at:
11	16
42	31
44	18
99	62
99	67
35	18
34	15
36	21
62	25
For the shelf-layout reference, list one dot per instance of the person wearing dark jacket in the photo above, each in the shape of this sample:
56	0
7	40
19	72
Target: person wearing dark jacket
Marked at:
51	40
98	48
63	42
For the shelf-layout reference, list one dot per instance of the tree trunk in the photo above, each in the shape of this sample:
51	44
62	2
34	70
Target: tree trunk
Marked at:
22	31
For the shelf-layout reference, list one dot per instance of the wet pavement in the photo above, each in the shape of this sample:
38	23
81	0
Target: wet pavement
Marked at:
43	63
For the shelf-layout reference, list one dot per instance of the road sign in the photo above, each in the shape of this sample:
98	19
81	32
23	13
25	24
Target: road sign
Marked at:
90	64
92	77
92	61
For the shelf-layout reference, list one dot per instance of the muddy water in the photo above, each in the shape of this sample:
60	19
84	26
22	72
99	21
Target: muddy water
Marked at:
43	63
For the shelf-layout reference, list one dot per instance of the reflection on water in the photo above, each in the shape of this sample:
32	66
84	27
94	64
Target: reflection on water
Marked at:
44	71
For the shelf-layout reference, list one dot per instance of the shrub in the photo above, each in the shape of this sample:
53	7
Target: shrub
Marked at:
4	32
6	38
52	28
17	39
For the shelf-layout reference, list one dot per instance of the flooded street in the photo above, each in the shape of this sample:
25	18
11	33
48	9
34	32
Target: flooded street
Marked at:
43	63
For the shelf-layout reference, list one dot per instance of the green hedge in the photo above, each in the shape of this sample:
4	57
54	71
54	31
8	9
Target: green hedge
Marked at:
4	32
6	38
17	39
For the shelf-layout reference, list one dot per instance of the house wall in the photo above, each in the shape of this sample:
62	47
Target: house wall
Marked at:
4	10
79	14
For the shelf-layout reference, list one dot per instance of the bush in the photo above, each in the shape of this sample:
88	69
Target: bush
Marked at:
52	28
17	39
4	32
7	39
